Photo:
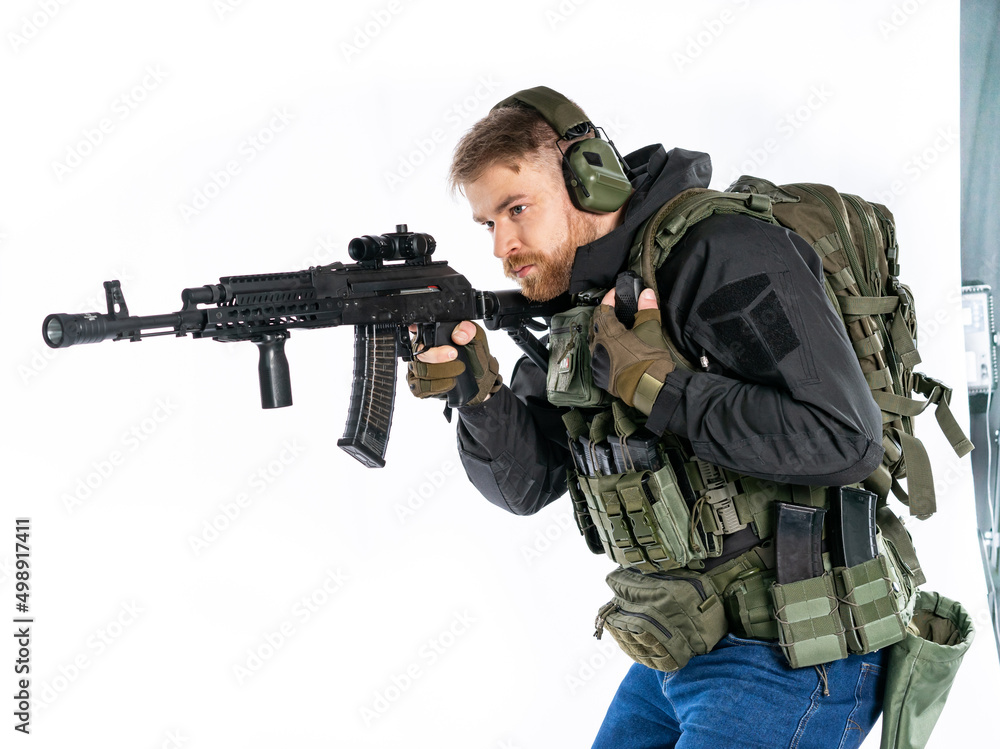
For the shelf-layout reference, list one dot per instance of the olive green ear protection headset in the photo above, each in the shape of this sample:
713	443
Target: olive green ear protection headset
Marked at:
595	171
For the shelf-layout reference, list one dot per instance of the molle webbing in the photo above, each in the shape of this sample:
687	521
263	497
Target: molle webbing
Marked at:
856	242
648	502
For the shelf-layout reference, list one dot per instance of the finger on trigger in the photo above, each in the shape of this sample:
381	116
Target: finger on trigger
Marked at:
609	298
437	354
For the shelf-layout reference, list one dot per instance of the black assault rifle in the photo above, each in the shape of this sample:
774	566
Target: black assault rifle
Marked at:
379	299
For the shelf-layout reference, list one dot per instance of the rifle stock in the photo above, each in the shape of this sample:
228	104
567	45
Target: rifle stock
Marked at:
380	299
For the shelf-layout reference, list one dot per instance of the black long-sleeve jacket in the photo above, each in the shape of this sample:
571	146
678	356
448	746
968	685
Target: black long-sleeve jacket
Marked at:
782	397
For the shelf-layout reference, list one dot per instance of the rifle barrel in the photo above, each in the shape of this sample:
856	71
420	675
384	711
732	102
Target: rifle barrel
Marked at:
61	330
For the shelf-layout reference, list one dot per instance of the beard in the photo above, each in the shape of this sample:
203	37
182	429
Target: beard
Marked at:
554	267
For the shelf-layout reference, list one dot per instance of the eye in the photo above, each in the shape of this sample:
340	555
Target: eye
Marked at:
488	225
517	210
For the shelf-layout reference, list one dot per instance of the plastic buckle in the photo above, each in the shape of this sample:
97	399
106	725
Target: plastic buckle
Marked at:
620	533
724	509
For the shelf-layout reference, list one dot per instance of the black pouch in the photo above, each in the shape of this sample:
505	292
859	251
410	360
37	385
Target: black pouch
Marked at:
662	619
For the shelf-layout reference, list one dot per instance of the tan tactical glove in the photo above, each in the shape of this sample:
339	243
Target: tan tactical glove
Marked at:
630	364
435	380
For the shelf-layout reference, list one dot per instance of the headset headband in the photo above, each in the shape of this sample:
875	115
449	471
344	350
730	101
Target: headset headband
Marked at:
595	173
565	117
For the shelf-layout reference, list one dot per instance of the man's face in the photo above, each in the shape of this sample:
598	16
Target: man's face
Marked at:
535	227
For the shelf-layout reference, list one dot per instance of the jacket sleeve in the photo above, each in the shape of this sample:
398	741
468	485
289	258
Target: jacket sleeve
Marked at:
783	396
513	446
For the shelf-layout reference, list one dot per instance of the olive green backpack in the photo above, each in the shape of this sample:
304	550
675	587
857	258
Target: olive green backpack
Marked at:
856	241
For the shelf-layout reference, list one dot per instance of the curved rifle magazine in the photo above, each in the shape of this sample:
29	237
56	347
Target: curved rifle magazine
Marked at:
366	434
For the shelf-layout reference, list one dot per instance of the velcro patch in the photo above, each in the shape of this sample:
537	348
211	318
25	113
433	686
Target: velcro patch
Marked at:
772	322
733	297
750	323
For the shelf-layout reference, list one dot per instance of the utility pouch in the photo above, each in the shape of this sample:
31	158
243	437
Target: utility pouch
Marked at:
569	381
921	668
868	606
749	606
671	518
662	619
582	514
809	627
904	586
643	518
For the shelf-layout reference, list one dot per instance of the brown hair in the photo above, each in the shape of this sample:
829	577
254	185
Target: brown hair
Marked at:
505	136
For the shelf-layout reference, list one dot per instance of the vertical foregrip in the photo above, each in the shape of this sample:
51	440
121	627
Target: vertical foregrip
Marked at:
366	434
272	371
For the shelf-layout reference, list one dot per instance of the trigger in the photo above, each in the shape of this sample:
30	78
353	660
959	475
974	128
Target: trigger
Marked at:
404	344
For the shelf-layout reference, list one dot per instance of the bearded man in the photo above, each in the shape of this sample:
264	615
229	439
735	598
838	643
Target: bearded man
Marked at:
748	376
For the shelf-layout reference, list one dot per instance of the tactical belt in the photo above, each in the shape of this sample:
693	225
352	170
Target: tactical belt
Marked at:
835	611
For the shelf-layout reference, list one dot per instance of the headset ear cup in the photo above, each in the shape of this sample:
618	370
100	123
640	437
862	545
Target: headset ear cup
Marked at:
601	185
572	183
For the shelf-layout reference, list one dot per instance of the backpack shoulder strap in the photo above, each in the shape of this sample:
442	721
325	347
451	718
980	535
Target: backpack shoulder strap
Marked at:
657	237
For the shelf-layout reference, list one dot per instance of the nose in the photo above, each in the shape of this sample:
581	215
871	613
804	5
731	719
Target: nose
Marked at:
505	241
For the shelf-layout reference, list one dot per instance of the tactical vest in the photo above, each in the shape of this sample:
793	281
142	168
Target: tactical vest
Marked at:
694	540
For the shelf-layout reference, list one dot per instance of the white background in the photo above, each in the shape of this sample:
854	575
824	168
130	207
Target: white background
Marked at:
452	623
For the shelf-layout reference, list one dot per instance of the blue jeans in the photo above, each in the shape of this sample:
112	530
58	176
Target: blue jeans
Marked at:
744	694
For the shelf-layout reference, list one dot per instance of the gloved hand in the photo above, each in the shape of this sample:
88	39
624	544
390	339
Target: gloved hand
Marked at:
432	374
630	364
